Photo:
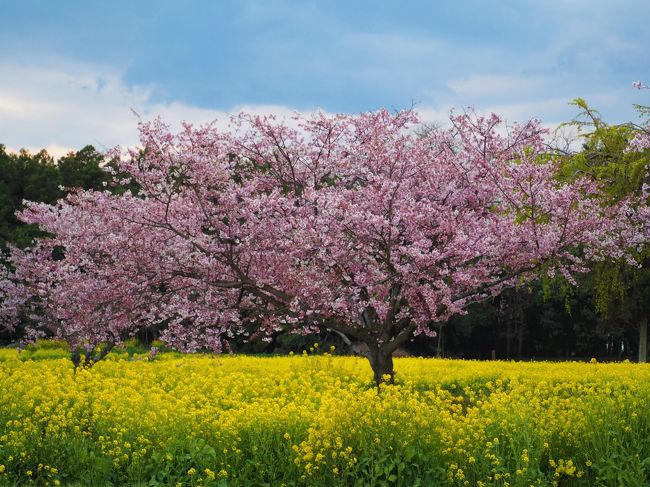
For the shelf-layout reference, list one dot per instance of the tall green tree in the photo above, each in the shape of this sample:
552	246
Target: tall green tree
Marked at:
37	177
83	169
24	176
622	291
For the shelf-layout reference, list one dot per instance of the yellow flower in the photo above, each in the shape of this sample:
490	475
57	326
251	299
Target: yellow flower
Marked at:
237	403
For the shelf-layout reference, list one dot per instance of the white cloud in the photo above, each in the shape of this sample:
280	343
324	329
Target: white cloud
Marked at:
65	107
494	84
397	45
54	150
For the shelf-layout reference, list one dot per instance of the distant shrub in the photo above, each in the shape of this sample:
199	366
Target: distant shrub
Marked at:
48	344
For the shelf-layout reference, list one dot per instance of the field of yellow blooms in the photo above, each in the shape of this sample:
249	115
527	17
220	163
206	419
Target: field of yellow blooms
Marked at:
318	420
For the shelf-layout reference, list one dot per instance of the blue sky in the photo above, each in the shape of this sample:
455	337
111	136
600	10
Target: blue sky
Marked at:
72	71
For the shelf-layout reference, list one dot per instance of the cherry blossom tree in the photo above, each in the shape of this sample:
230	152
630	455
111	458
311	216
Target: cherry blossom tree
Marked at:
360	224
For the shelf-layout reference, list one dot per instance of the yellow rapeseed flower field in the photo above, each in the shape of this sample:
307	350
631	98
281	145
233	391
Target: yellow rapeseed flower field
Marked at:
318	420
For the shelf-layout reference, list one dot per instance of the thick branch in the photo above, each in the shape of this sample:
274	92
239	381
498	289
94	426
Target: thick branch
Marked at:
400	339
486	286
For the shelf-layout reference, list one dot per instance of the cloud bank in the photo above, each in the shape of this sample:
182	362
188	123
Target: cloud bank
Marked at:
64	108
66	105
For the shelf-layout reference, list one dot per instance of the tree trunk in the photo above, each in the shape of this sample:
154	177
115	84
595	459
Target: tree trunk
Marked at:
90	356
643	340
75	356
381	361
382	365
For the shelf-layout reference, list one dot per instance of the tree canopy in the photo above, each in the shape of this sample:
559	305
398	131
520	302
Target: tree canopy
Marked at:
617	156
